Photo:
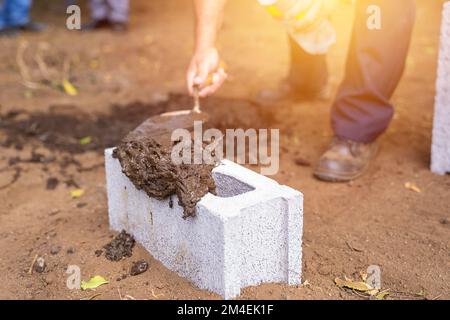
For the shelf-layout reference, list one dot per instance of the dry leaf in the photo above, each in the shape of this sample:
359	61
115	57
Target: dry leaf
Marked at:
355	285
77	193
69	88
373	292
93	283
413	187
85	140
382	295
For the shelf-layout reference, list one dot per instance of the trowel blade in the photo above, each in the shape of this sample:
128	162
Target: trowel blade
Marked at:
164	124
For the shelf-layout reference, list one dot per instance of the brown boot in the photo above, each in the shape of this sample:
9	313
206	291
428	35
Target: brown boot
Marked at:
345	160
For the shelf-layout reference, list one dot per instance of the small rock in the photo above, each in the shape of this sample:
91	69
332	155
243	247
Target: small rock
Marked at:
302	162
122	277
54	212
49	280
52	183
55	250
39	265
98	253
70	250
138	267
445	221
52	234
81	205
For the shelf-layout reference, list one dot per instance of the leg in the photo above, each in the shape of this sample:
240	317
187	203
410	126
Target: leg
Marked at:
3	14
307	79
361	111
99	10
18	12
308	73
118	11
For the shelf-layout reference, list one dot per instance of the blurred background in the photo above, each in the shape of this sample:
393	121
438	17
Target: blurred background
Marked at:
65	95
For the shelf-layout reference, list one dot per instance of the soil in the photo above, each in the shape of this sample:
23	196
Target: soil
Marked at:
122	79
120	247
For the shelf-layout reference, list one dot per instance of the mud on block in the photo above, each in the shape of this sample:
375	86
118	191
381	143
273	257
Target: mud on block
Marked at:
440	151
249	233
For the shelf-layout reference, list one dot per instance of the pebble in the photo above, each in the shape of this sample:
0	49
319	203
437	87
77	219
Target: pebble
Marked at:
39	265
138	267
55	250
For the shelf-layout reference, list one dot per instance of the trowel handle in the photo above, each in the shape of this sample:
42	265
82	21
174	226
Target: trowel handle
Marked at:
196	88
196	108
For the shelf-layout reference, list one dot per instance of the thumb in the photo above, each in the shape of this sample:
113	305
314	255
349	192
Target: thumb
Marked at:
202	74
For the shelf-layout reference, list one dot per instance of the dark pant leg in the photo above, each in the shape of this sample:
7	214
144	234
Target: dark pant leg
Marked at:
308	73
118	10
99	9
376	60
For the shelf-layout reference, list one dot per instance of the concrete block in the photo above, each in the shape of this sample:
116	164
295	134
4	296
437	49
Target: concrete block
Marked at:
250	233
440	151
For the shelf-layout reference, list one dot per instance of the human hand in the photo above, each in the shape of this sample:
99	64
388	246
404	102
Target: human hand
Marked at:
206	71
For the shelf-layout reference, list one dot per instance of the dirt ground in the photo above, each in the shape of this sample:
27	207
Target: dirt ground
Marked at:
124	78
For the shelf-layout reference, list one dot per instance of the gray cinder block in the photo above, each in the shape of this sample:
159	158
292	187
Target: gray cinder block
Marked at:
440	150
250	233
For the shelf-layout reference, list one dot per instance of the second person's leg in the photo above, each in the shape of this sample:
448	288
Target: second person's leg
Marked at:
99	10
307	78
362	111
18	12
308	73
118	10
375	64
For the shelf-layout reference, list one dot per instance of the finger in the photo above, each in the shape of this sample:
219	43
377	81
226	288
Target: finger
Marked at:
202	74
218	79
192	71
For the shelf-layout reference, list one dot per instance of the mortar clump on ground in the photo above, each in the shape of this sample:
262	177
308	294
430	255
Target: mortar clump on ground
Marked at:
148	164
120	247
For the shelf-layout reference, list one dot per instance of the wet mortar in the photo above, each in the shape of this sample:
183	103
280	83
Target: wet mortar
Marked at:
120	247
149	166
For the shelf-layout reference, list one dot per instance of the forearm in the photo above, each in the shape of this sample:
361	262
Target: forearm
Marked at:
209	14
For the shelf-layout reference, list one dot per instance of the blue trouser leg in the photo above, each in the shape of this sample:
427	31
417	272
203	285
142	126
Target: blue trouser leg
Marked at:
15	13
3	14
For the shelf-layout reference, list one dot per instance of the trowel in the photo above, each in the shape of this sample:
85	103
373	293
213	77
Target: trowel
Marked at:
164	124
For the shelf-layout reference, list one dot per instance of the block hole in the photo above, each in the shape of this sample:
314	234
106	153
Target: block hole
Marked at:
227	186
